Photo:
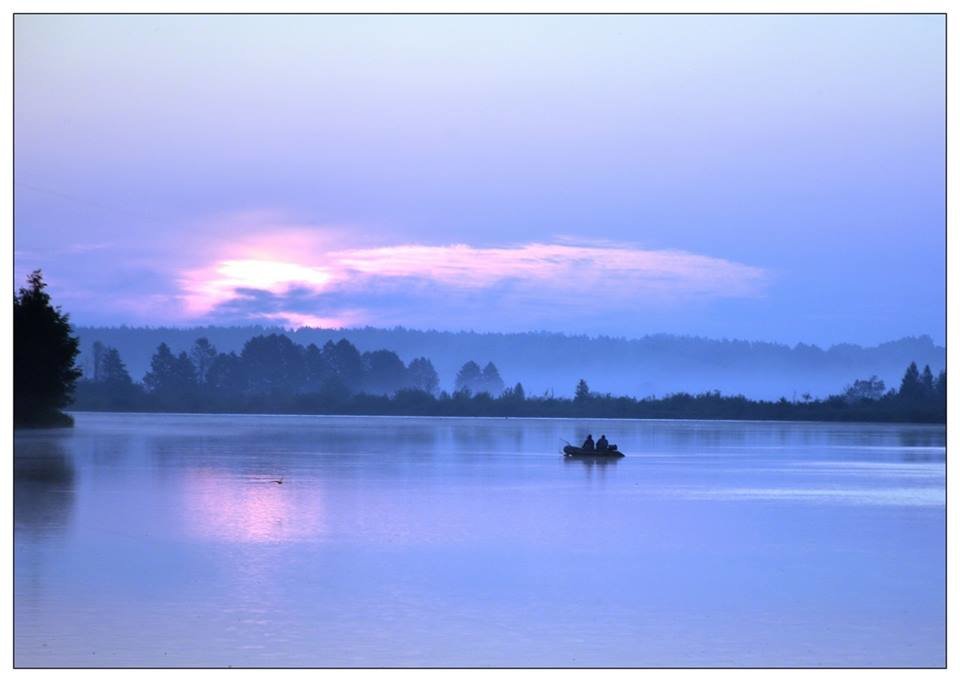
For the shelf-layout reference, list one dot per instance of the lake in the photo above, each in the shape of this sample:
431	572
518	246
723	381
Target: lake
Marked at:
164	540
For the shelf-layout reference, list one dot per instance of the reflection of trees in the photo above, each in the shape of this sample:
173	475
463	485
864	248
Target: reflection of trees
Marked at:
922	438
255	446
43	489
474	437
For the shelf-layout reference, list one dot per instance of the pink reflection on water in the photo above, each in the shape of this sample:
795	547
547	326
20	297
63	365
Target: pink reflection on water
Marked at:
253	509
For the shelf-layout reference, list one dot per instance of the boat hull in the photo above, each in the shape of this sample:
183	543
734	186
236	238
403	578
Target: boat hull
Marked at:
571	451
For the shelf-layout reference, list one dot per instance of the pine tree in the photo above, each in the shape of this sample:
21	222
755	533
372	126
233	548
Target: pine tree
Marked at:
161	370
203	354
44	354
113	372
926	382
172	379
910	387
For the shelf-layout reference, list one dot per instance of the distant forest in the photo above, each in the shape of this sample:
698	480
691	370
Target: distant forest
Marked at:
651	365
273	374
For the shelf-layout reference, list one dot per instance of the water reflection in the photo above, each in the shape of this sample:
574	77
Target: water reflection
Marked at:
44	486
250	508
397	541
922	445
591	462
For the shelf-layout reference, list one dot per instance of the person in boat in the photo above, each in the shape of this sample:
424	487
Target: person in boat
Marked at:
588	443
602	444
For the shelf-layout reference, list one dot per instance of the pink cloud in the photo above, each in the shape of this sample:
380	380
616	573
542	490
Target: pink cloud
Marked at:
294	319
560	265
319	262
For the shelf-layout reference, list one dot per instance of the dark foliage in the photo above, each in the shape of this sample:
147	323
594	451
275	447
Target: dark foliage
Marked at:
469	377
384	372
111	387
472	379
651	365
491	381
582	392
274	375
423	376
44	351
202	355
271	374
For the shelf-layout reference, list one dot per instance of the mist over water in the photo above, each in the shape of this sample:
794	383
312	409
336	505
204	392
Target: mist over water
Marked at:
651	365
165	540
589	206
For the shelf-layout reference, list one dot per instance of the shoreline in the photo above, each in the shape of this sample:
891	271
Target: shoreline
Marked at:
199	413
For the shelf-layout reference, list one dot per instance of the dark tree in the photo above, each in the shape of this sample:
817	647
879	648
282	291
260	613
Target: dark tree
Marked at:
44	354
273	364
346	364
422	375
185	373
941	385
515	394
172	380
226	378
866	389
113	373
202	354
385	372
490	380
926	382
113	388
469	377
583	391
519	393
161	369
317	370
910	386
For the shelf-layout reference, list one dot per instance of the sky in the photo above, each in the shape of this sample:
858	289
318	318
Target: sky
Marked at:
774	178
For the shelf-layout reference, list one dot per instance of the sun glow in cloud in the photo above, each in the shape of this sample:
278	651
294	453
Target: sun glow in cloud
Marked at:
208	288
270	272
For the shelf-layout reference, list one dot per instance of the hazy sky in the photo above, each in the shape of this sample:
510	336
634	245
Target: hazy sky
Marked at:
777	178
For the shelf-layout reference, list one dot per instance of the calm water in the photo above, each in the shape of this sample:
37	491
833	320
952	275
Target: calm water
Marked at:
162	540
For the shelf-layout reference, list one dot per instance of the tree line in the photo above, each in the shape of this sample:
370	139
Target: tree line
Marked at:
658	364
272	374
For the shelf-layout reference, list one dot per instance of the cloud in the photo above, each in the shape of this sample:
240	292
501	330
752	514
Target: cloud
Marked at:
303	277
294	308
556	265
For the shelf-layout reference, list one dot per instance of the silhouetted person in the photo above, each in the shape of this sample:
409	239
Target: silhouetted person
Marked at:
602	444
588	443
